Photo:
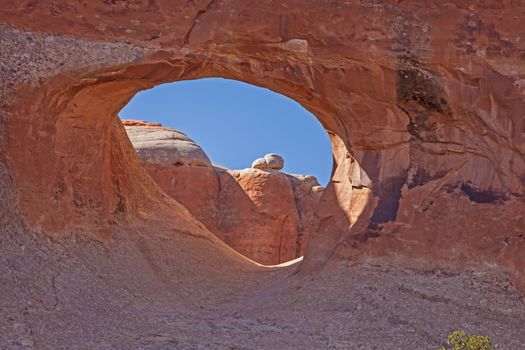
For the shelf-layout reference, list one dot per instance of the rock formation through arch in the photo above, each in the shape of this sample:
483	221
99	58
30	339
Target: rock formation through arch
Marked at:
423	103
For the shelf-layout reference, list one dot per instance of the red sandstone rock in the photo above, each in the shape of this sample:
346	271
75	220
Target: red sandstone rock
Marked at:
265	215
195	187
307	192
275	229
256	212
424	98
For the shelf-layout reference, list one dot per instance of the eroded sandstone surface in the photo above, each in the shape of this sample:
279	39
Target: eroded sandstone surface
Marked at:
423	101
158	146
262	213
270	161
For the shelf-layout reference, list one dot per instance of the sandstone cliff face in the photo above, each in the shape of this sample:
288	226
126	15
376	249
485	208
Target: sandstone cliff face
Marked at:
258	213
262	213
423	101
272	196
424	98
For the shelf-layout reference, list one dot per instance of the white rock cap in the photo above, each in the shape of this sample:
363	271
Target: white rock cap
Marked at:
270	161
158	145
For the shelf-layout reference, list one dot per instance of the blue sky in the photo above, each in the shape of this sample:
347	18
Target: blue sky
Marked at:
235	123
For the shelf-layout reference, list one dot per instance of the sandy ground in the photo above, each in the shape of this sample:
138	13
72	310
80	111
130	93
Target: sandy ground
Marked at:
148	292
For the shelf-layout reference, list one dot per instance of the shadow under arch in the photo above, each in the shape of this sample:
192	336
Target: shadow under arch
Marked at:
85	161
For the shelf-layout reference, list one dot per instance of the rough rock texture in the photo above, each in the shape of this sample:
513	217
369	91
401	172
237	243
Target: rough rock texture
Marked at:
423	101
162	146
270	161
266	216
307	193
275	229
254	211
259	163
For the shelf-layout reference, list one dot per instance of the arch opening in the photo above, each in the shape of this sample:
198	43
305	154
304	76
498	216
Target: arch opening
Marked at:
236	122
114	189
248	163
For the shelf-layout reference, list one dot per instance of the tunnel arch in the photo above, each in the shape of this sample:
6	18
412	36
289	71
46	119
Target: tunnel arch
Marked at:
197	139
430	114
396	152
85	118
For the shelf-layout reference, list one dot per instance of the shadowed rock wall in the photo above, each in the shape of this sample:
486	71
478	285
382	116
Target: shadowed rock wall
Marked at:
423	102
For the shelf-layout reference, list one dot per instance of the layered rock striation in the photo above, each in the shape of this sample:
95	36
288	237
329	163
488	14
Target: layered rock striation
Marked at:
262	213
160	146
423	102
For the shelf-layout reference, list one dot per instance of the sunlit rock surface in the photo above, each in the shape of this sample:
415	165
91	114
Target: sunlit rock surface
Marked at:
270	161
263	214
421	226
162	146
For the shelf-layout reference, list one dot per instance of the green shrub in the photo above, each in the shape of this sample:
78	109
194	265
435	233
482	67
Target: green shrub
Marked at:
458	340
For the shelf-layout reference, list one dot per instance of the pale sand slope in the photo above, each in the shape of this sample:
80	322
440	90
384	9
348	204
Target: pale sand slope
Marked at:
148	292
